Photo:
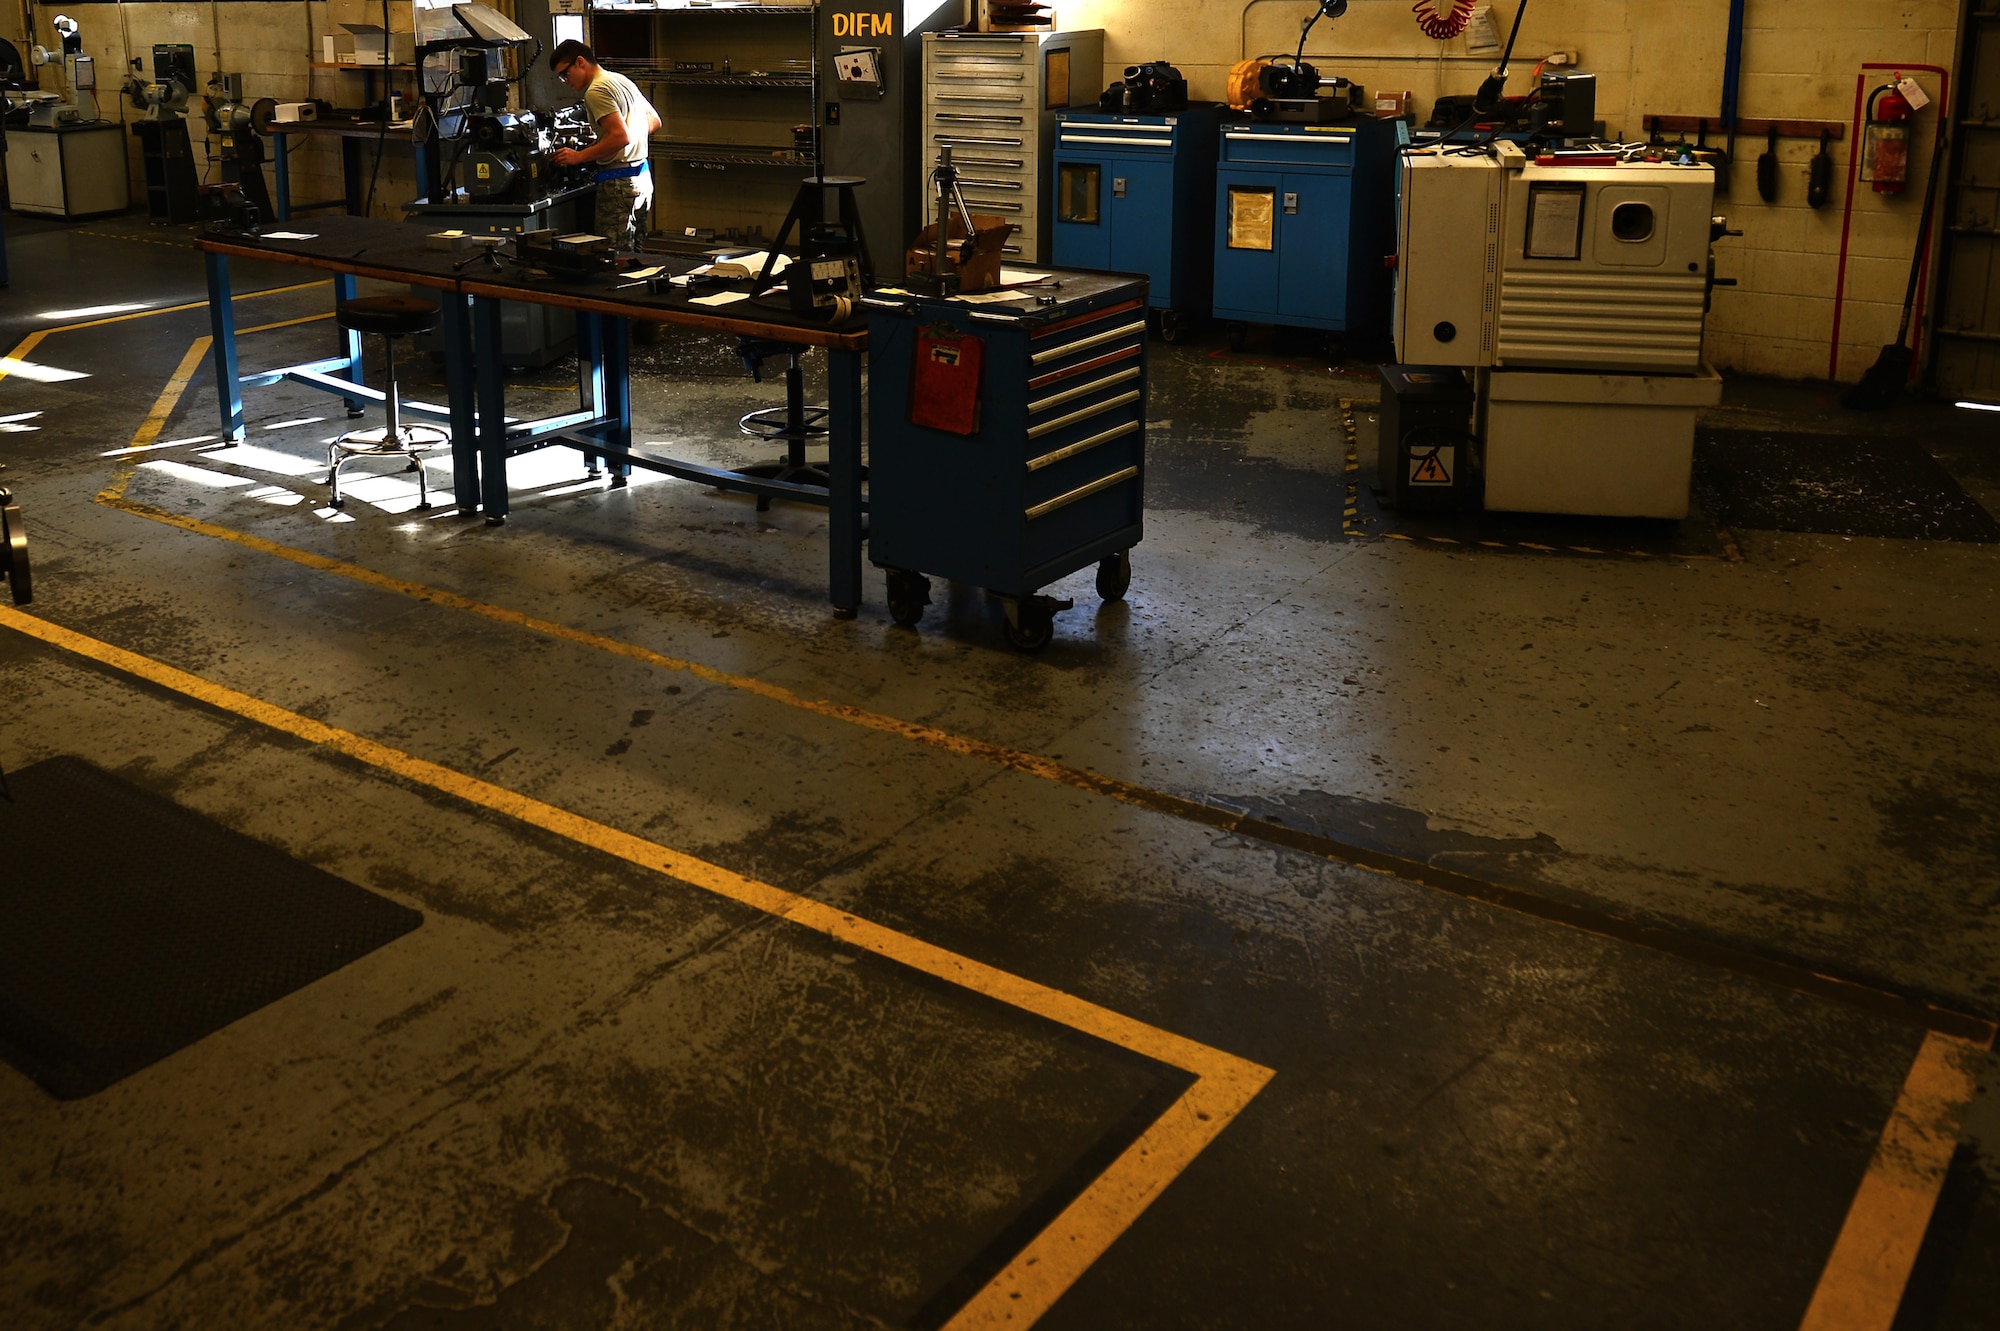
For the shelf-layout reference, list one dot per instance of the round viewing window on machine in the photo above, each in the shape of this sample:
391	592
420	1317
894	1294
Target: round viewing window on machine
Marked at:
1632	222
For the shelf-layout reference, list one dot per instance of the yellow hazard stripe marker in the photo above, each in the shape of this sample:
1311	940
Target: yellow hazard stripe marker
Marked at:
1087	1227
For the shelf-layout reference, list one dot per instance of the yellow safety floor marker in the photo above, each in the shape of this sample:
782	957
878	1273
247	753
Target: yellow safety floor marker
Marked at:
1053	1260
1862	1286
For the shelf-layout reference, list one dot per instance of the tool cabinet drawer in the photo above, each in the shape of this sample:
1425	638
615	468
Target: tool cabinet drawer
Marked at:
1331	150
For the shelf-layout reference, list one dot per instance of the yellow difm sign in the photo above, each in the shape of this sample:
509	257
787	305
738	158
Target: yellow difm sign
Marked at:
864	25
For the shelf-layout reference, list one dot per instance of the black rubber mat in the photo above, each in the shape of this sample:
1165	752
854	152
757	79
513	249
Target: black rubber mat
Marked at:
1838	485
131	927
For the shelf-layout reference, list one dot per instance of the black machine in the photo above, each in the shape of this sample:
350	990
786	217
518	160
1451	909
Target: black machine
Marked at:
1425	456
506	157
1150	89
1563	106
14	550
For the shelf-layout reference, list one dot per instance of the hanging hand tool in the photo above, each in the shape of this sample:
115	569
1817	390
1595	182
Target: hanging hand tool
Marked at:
1819	175
1767	169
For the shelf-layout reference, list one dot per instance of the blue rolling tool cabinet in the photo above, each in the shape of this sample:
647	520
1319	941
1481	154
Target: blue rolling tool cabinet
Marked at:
1305	219
1136	194
1007	443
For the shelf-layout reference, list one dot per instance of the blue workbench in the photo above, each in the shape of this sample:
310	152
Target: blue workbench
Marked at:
483	436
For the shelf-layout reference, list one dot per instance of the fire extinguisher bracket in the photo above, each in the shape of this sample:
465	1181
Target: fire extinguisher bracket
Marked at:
1885	141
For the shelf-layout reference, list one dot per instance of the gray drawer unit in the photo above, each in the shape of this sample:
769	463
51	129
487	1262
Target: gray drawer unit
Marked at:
993	96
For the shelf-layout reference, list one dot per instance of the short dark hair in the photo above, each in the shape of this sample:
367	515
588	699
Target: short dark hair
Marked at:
569	51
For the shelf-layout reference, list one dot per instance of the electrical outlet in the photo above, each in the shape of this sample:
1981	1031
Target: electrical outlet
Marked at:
1560	59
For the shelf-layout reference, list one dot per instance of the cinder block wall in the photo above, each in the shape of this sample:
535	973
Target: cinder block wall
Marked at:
1800	61
274	46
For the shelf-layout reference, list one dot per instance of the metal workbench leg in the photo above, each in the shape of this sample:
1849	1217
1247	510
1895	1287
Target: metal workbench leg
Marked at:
281	168
347	342
589	379
461	387
492	389
844	522
617	376
222	347
350	174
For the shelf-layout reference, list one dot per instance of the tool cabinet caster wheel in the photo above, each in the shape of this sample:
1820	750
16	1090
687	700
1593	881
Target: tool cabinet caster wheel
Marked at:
1114	576
909	593
1172	325
1236	334
1034	631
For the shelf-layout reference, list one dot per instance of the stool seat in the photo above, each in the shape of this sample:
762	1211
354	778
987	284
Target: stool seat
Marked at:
393	316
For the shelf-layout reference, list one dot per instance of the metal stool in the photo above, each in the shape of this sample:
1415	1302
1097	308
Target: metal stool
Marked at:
390	317
795	422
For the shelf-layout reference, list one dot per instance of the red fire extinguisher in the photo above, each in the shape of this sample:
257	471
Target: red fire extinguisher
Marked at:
1885	151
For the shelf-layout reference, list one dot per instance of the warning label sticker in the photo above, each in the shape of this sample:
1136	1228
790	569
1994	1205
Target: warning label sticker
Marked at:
1433	467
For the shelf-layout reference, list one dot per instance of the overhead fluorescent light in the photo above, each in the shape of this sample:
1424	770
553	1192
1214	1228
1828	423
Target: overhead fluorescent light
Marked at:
1980	406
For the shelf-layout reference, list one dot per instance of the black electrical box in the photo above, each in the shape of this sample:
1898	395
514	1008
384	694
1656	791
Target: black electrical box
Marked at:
1425	458
1566	106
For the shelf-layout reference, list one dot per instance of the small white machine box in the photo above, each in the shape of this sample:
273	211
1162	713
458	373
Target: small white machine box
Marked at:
293	113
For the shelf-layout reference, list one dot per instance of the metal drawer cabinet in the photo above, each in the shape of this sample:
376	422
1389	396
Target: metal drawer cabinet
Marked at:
1051	478
1136	194
1304	225
993	97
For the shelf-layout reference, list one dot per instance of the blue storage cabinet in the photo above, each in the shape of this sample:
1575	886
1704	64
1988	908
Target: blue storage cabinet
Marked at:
1305	218
1051	481
1136	194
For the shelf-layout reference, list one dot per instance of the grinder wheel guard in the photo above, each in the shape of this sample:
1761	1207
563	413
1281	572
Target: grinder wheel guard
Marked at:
14	550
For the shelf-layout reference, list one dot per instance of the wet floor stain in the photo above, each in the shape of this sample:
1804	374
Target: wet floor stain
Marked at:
1390	828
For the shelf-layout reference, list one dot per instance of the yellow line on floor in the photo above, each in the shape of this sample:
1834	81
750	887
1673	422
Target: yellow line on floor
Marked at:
1053	1260
1862	1286
34	339
156	419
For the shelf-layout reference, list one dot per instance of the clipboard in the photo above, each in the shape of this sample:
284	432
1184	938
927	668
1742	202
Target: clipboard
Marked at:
945	381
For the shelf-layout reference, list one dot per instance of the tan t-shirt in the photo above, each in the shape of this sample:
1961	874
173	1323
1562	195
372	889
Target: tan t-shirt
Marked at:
609	92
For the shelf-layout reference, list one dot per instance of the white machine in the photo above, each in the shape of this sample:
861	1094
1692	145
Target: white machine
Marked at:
1574	288
79	79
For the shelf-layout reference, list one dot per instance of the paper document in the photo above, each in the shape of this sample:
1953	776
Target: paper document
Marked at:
746	265
719	298
291	235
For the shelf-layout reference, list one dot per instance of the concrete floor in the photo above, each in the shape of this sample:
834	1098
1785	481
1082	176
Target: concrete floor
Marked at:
589	1094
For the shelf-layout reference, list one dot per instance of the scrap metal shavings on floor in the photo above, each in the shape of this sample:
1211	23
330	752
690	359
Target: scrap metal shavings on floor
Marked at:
1835	485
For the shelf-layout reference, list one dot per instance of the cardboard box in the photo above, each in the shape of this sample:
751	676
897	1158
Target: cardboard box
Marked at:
980	271
370	43
356	13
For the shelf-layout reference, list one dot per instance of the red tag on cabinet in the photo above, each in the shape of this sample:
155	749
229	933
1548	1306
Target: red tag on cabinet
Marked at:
944	384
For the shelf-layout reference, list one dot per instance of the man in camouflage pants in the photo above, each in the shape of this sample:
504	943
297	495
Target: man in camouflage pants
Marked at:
623	119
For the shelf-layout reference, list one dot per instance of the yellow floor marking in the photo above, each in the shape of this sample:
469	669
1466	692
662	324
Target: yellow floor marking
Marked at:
156	419
286	323
1862	1286
1056	1257
1019	760
34	339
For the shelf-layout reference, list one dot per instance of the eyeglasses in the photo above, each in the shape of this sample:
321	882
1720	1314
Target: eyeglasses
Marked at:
563	73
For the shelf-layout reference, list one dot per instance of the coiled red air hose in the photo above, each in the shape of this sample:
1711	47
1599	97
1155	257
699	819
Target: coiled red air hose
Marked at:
1442	26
